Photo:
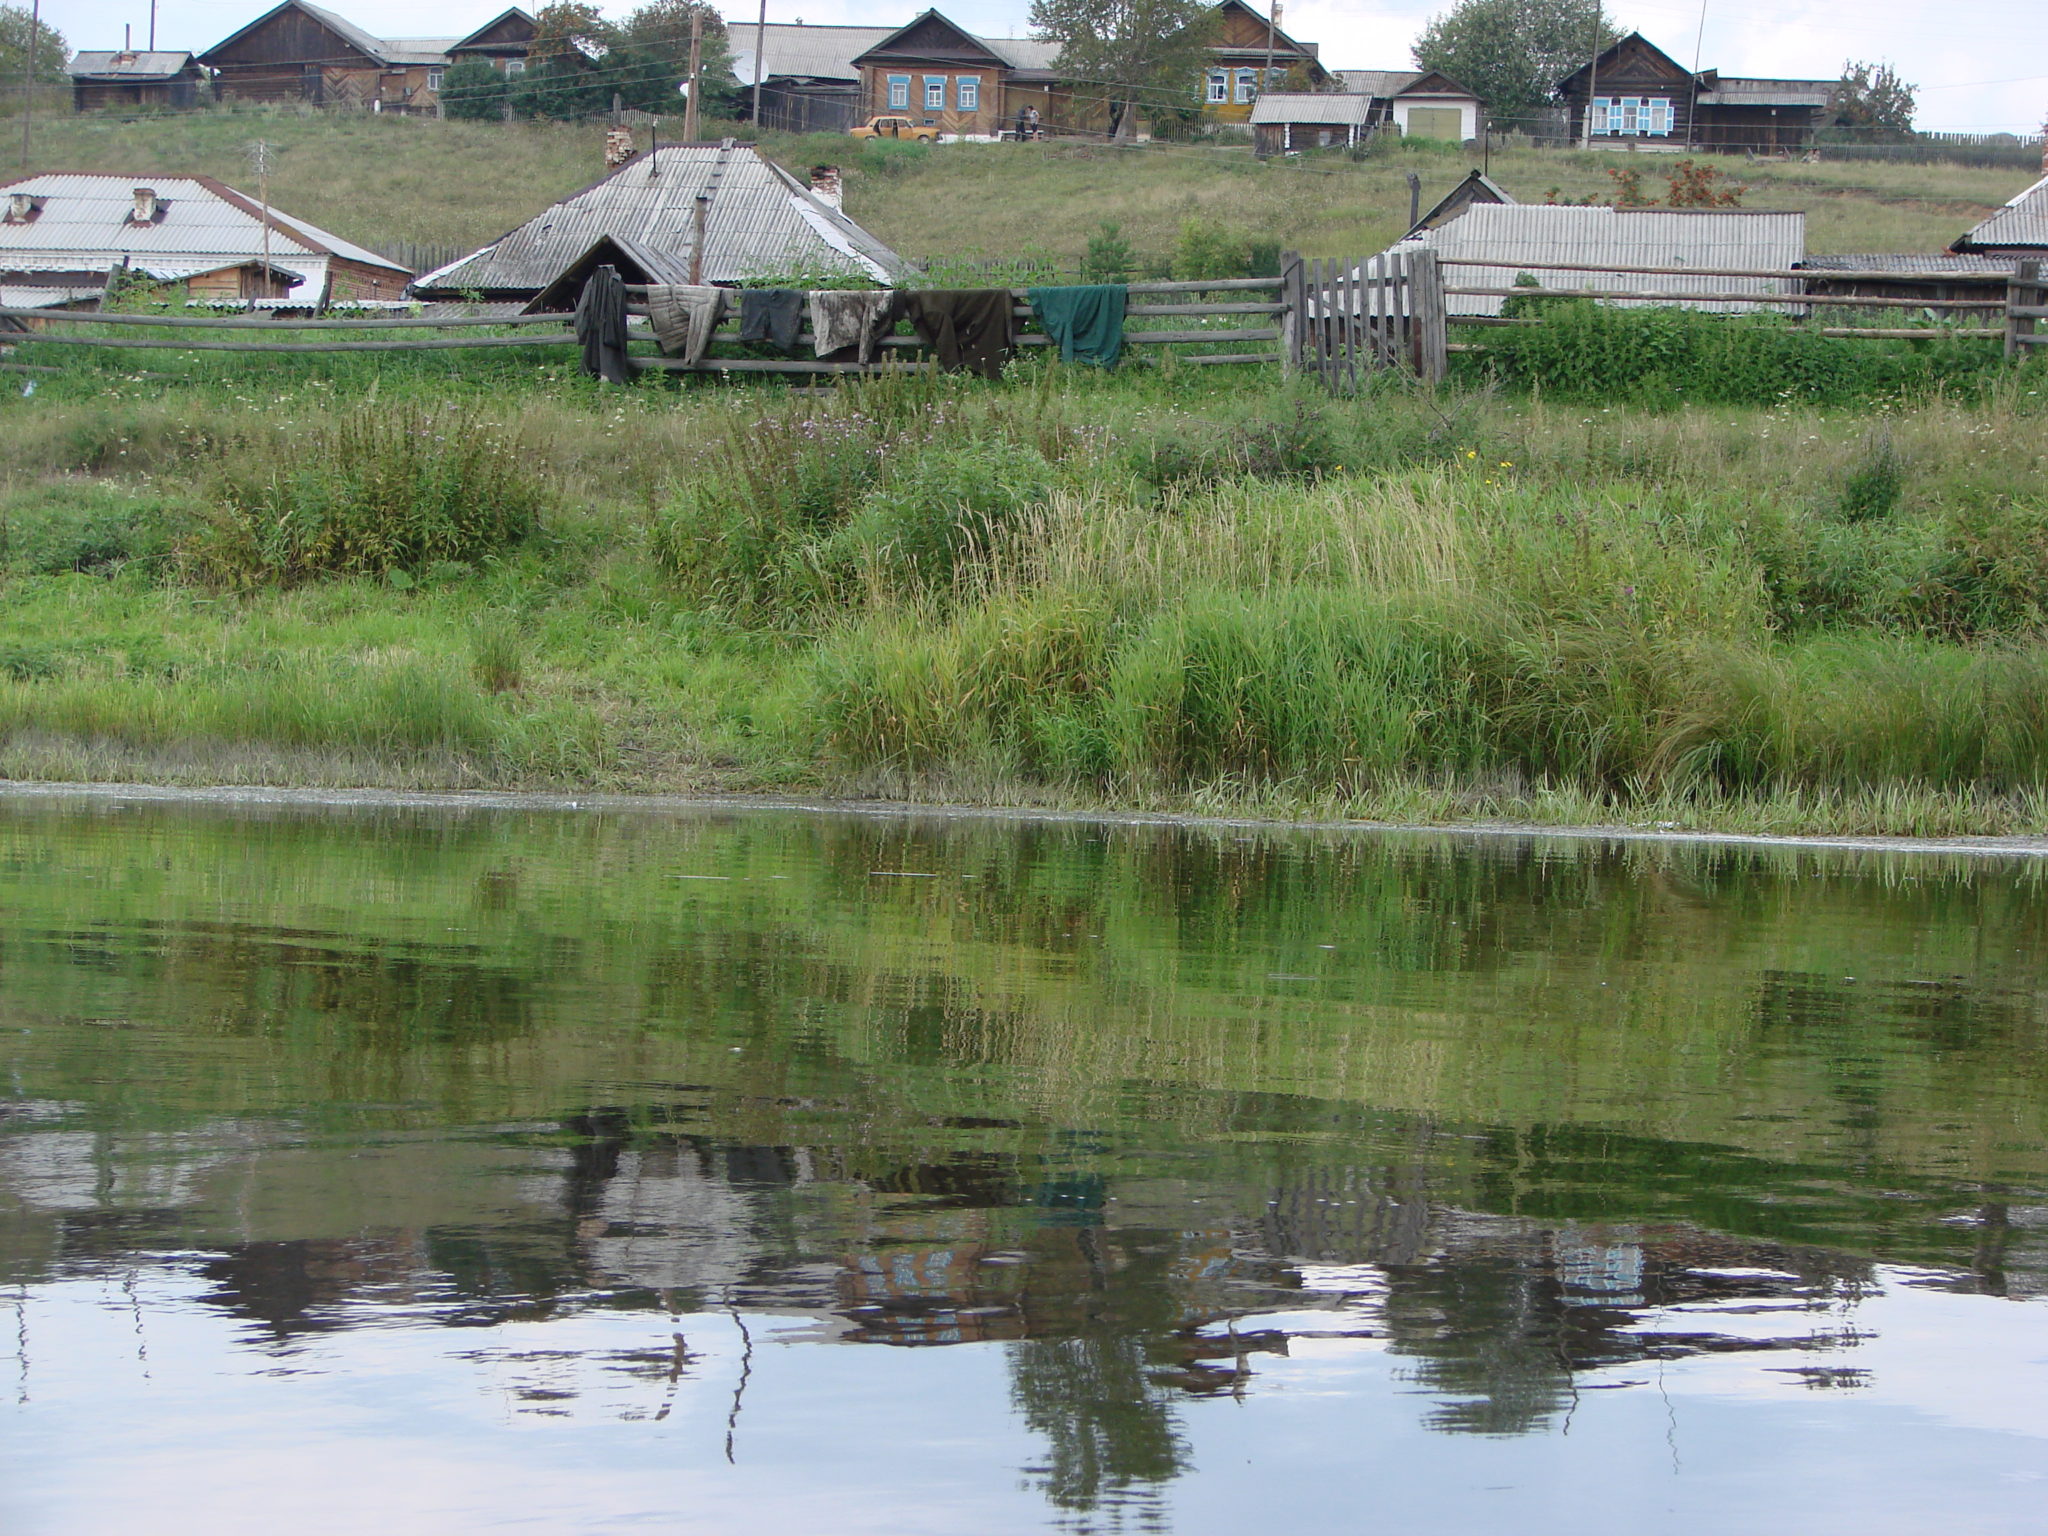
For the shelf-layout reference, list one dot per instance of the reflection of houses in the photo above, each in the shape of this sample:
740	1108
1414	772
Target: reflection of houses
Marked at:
1642	98
184	229
134	81
300	52
948	78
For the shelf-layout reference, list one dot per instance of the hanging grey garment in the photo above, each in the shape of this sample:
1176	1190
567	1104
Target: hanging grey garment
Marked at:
684	317
851	319
601	326
773	315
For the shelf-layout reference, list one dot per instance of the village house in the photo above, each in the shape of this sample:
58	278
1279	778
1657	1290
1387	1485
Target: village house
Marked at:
945	77
809	82
2019	230
1638	97
300	52
69	231
503	42
134	80
755	221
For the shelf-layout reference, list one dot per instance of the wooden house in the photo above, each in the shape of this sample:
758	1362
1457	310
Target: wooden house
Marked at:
300	52
809	81
1287	122
945	77
1423	103
503	42
134	80
192	230
1636	96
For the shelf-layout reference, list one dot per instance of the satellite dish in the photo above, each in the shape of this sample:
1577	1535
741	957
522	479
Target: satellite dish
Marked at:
683	88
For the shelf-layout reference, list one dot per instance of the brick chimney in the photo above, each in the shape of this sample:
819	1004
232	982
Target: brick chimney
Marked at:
825	185
146	208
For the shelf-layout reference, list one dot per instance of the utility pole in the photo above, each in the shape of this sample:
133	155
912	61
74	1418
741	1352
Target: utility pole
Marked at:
28	81
761	63
1593	74
259	153
152	26
1272	28
696	63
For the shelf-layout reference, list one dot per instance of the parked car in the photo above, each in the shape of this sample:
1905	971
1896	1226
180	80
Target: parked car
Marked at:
896	128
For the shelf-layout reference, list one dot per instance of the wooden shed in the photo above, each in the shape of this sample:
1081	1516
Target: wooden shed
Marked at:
1287	122
134	80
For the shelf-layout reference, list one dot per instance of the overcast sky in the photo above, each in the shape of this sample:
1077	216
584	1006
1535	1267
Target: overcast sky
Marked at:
1980	70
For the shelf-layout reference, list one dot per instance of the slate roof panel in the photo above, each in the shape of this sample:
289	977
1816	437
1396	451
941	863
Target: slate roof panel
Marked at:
2022	222
100	64
1331	108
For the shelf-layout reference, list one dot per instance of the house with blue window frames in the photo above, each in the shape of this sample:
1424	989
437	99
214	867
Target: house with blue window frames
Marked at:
945	77
1636	96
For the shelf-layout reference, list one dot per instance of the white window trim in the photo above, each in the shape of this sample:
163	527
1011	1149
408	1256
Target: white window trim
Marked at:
1219	87
967	92
899	86
935	85
515	66
1245	86
434	79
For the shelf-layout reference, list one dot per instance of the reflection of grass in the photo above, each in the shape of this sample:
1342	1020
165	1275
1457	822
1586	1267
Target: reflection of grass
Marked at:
1114	980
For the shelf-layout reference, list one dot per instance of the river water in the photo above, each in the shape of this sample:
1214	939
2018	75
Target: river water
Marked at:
429	1170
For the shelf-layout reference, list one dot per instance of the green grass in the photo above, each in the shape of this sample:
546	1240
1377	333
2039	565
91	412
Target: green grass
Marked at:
1195	590
378	179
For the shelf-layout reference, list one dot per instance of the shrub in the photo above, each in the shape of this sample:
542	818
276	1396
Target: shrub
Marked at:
375	490
916	529
475	91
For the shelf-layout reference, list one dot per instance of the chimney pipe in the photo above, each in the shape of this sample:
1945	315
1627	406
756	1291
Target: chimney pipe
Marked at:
825	185
21	207
145	206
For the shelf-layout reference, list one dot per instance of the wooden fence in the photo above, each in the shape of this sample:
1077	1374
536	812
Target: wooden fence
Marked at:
1340	322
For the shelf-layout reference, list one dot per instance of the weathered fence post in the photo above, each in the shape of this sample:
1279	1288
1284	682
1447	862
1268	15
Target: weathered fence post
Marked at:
1294	295
2023	293
1426	308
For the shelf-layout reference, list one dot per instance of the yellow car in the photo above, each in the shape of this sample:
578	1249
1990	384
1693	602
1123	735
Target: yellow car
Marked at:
895	128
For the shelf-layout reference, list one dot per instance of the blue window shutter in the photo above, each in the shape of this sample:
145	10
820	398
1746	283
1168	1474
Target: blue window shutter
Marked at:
899	90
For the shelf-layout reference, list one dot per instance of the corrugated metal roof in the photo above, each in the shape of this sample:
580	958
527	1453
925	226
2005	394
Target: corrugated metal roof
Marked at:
799	52
1532	235
1911	261
1339	108
116	65
418	50
2021	222
1735	91
760	220
84	222
1377	82
18	296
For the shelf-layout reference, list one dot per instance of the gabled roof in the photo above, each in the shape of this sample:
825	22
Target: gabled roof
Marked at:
1380	83
931	22
1338	109
2021	222
380	50
1281	40
1635	41
634	261
800	52
1476	188
760	220
84	224
1434	82
510	13
128	66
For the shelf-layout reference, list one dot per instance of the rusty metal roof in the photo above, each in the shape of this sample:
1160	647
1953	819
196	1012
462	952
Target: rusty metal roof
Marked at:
1534	236
760	221
2023	222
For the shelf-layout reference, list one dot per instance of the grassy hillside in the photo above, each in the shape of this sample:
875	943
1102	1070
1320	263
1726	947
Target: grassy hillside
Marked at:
384	179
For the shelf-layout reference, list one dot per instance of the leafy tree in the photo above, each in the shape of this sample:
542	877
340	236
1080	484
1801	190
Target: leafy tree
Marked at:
1135	55
1872	96
649	56
52	52
475	91
1512	53
561	79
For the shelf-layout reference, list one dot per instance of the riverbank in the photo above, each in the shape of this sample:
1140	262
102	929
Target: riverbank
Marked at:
1155	594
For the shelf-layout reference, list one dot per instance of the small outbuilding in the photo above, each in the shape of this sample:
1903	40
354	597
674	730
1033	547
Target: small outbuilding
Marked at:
130	80
720	211
1286	122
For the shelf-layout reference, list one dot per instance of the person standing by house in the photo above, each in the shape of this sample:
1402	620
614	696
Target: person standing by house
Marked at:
1030	123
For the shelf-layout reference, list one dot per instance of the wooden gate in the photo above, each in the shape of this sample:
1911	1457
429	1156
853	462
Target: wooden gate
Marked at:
1347	320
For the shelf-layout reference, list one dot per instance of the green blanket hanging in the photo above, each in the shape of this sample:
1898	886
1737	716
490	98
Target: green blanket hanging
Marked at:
1087	321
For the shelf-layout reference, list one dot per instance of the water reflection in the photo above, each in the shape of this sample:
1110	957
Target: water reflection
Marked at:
1168	1121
